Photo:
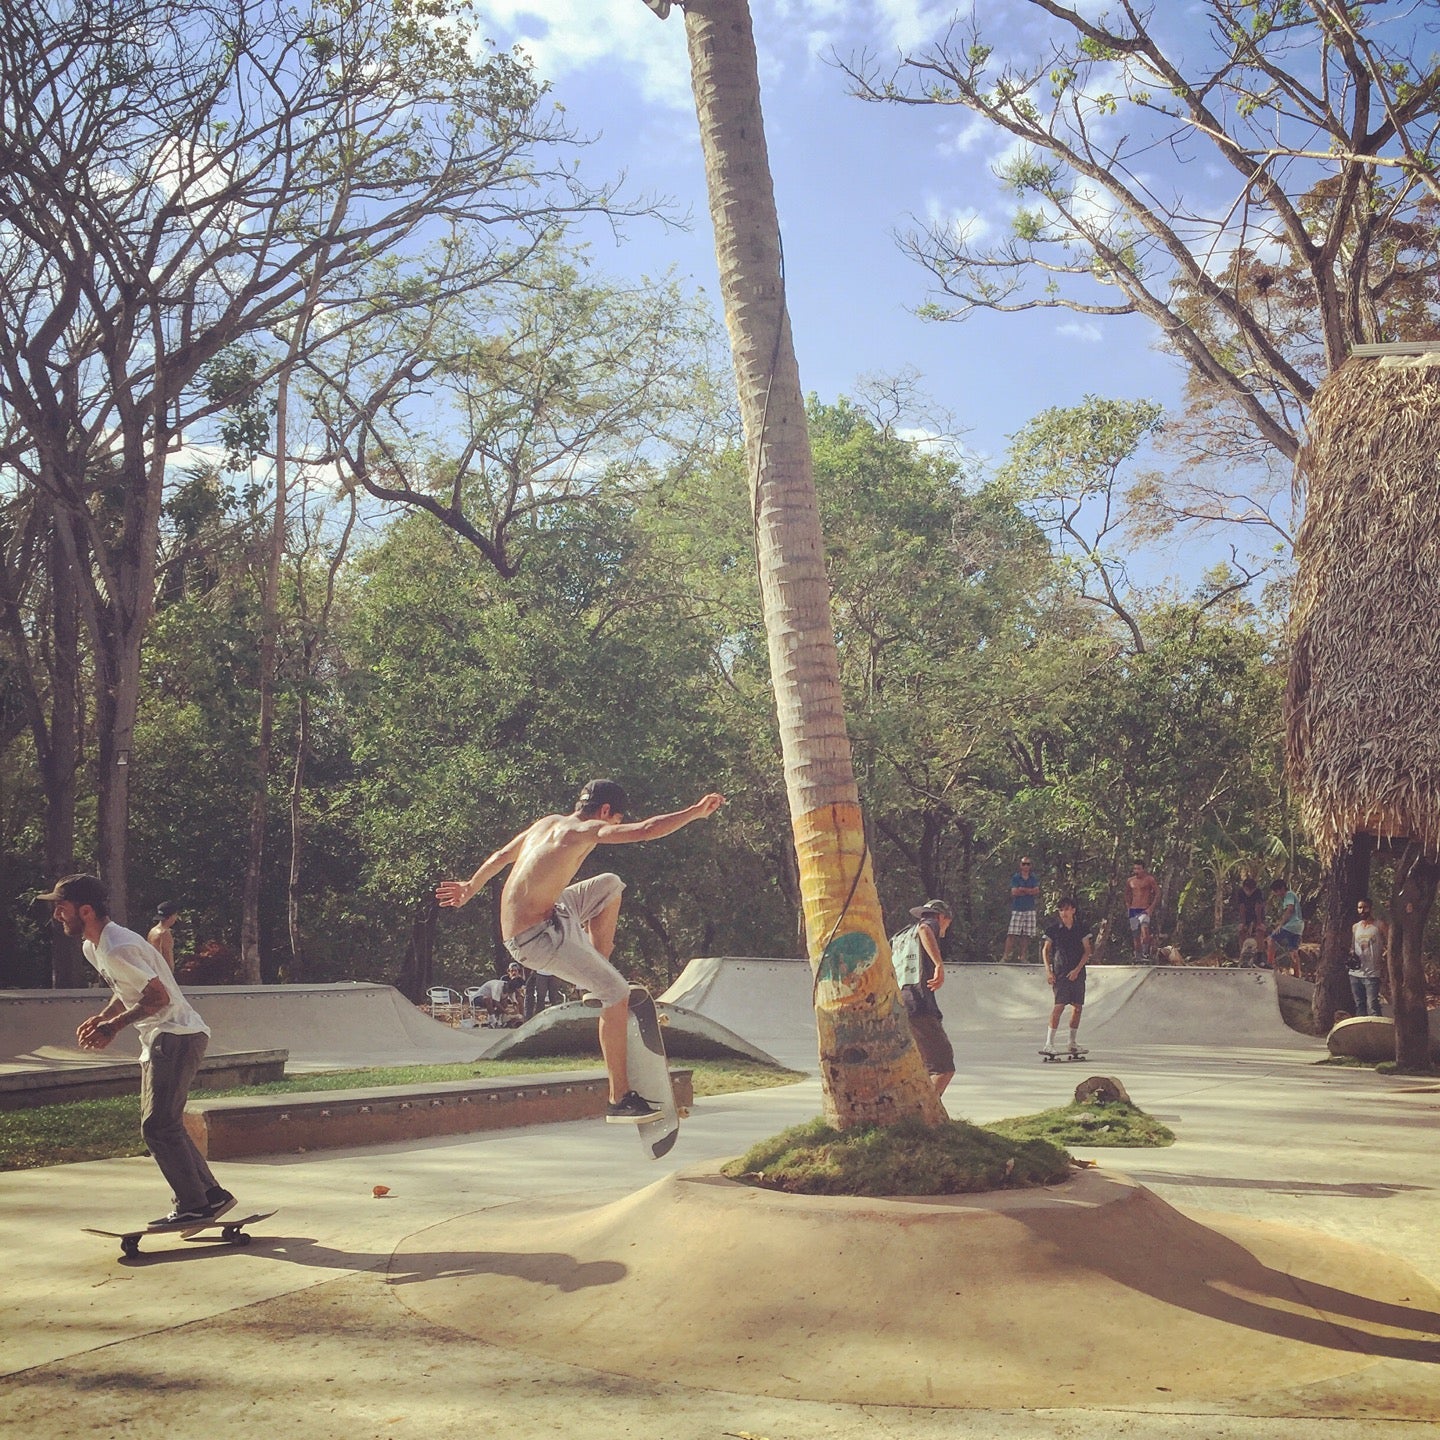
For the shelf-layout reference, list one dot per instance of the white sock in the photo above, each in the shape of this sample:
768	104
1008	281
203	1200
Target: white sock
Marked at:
1074	1040
1050	1038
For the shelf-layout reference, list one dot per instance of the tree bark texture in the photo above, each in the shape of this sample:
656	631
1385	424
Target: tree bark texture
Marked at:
1416	878
871	1070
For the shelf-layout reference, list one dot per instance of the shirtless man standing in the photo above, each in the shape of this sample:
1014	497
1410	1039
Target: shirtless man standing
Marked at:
569	930
1142	893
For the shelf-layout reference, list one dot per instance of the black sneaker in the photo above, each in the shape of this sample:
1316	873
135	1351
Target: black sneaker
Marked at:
218	1201
630	1106
182	1217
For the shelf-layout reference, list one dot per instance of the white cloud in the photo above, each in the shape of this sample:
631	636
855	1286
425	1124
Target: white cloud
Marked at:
964	224
1086	331
563	36
967	136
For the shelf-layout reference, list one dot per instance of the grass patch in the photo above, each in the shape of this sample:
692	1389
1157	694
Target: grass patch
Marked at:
1090	1123
110	1129
911	1158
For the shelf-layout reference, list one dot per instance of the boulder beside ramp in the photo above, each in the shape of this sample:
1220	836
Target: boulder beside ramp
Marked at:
323	1026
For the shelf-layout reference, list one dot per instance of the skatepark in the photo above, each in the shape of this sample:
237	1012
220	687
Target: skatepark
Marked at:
1271	1274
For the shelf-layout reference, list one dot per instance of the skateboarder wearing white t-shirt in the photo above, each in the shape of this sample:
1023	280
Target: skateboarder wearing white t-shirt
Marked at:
172	1040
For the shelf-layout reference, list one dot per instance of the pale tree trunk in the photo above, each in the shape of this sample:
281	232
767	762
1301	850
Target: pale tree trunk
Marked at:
250	972
269	628
56	730
60	761
1416	878
871	1070
116	592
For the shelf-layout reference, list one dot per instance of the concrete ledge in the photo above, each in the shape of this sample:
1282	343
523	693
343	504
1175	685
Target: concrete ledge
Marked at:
227	1129
26	1089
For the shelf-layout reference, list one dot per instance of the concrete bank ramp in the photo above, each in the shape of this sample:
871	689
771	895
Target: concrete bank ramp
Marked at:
1129	1005
570	1030
322	1026
768	1001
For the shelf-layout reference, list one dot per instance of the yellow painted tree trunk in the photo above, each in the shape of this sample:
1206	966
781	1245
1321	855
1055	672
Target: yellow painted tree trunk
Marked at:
872	1072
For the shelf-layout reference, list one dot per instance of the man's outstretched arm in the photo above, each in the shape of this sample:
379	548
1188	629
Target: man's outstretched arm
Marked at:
455	893
627	832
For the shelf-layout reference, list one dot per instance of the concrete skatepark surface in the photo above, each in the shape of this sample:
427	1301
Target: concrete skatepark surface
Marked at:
333	1322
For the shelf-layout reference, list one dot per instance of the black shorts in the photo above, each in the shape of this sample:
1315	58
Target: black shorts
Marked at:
930	1038
1067	991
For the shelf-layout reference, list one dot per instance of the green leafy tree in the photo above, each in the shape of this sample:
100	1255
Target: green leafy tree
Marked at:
182	179
1320	116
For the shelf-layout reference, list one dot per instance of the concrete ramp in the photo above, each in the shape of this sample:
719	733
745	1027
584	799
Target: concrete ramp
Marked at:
323	1027
570	1030
768	1002
1128	1005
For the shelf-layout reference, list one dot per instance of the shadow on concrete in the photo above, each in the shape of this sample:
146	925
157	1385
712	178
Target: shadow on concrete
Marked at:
554	1270
1358	1190
1191	1266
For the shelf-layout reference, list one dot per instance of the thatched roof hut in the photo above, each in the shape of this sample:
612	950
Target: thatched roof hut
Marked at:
1362	706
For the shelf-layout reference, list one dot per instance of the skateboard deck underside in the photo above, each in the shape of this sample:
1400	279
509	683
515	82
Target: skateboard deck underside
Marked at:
650	1073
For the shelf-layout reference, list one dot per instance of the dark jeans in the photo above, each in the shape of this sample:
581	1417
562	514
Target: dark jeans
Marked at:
1366	990
164	1088
540	991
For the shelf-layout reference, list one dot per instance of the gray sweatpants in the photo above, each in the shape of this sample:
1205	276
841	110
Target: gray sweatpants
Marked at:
165	1080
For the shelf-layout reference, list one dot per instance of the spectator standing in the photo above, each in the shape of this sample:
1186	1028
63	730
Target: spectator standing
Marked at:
1249	906
162	932
1024	893
1285	937
542	990
1369	940
1142	894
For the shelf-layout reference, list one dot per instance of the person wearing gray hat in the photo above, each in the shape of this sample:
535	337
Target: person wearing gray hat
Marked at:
920	972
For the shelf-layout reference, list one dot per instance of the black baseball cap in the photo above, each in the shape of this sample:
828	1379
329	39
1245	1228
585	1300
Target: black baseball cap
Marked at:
79	890
603	792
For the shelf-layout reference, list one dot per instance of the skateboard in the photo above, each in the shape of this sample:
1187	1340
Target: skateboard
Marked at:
1050	1056
232	1231
650	1073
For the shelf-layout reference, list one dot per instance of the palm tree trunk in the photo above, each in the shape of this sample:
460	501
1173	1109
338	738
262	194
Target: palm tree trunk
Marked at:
871	1070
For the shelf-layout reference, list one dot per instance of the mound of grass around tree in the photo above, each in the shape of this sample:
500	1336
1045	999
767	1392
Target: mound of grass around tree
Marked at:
911	1158
1089	1123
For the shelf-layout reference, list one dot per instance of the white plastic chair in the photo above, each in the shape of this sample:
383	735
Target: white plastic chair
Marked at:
443	1002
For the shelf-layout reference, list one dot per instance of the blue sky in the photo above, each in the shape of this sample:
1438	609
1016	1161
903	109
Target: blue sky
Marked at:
848	176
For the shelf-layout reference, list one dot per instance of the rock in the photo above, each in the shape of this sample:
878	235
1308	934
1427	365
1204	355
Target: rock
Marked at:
1102	1089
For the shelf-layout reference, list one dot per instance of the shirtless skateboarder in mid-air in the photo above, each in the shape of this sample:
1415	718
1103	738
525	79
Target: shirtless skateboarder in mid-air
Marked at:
569	930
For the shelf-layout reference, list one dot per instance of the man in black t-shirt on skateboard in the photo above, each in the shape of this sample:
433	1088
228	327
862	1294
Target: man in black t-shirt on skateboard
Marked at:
1066	953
